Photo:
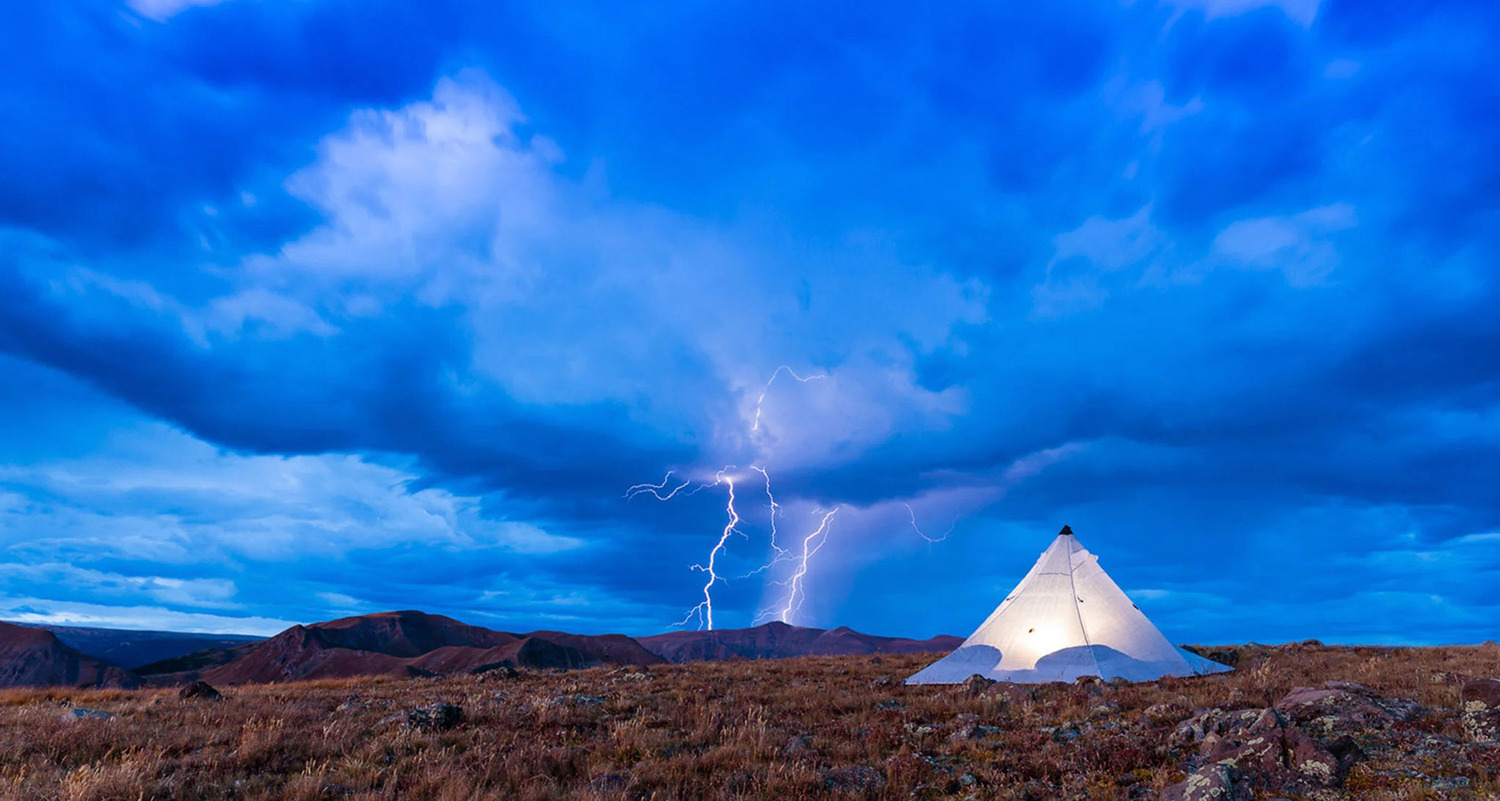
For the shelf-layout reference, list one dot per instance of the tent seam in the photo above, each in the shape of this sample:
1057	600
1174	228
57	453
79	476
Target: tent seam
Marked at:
1073	590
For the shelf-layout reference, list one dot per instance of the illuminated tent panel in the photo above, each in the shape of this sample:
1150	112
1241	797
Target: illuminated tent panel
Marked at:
1064	620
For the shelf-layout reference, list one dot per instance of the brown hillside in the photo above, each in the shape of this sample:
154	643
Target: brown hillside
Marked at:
397	644
614	649
778	640
36	658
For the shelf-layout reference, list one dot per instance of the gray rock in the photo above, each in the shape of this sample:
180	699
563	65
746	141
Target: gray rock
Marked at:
609	783
1092	686
975	731
1165	713
435	717
1066	733
576	699
977	684
87	714
200	690
854	777
1341	707
1480	710
1010	692
498	670
1262	751
1210	783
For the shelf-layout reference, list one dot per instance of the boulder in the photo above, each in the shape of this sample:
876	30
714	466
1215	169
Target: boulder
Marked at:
1224	656
1480	710
975	731
1091	686
977	684
200	690
608	783
87	714
1010	692
1210	783
1165	713
739	783
1341	707
1262	751
496	670
1066	733
1104	709
854	777
435	717
1347	752
574	699
1207	726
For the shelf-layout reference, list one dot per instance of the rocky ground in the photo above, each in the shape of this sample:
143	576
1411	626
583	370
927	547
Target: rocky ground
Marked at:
1294	721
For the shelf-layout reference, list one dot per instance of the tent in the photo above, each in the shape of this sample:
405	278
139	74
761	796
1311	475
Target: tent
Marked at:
1064	620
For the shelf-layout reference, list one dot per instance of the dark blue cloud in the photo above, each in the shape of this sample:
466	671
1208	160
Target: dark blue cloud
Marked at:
1215	289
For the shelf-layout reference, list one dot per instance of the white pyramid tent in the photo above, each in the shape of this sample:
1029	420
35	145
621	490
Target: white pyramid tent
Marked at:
1064	620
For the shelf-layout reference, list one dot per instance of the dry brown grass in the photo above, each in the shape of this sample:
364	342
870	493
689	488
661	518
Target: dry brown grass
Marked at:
706	731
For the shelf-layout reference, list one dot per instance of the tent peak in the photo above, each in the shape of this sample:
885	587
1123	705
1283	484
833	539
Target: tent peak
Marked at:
1066	532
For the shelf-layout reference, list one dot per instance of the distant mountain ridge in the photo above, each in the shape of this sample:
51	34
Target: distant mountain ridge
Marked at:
778	640
405	643
130	649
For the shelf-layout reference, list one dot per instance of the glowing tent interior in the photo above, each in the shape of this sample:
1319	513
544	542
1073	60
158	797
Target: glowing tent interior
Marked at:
1064	620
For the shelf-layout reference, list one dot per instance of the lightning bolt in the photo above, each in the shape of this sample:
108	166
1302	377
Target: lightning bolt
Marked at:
767	388
734	520
656	489
811	544
918	528
775	509
781	553
795	593
704	611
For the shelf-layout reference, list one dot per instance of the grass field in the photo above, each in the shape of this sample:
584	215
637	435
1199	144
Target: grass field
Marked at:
797	728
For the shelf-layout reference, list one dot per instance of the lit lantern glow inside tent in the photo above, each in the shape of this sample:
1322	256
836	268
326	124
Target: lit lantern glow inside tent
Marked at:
1066	619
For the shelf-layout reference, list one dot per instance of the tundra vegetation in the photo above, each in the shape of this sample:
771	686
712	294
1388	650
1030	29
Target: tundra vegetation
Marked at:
809	727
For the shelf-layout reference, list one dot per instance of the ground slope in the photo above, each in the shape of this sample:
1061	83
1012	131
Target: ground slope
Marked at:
32	657
836	727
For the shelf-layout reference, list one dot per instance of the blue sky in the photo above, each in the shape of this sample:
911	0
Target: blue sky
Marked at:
314	308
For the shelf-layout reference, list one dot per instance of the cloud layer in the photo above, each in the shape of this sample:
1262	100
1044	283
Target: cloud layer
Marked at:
308	309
